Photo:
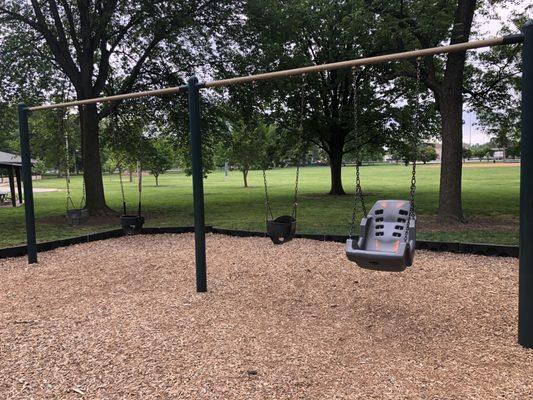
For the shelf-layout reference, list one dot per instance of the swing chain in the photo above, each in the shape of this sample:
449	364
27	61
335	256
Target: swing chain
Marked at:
60	117
114	135
124	210
412	192
302	105
83	199
83	193
267	201
358	194
301	131
140	176
268	208
295	205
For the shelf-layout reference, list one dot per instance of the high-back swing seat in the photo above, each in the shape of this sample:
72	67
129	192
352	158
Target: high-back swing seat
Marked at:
387	238
383	243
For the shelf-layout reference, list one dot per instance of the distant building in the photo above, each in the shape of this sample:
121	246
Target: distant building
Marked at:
12	165
438	150
498	154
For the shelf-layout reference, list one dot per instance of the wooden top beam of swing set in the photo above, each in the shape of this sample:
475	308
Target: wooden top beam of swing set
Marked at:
107	99
476	44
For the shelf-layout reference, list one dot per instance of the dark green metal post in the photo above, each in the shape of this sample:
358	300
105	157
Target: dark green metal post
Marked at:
197	184
25	154
525	306
19	183
11	175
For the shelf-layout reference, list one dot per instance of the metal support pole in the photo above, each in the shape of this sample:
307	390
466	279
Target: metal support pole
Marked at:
25	154
11	173
19	185
197	184
525	305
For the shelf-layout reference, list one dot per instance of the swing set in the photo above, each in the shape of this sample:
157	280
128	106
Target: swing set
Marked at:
387	232
74	215
282	229
131	223
387	238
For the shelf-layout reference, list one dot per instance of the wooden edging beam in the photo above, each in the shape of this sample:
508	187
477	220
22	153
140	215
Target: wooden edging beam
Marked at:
454	247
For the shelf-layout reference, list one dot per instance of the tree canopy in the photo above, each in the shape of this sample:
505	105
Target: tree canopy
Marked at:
61	49
109	47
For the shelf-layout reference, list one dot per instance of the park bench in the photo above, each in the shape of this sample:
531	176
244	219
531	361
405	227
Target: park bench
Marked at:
4	195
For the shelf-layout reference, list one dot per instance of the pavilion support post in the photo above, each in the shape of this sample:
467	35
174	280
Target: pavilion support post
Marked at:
525	306
11	175
19	185
197	183
25	154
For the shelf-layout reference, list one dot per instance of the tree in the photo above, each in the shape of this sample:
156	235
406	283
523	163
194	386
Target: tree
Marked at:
425	24
494	89
8	141
426	153
158	157
90	40
481	151
513	150
248	146
467	153
122	136
39	167
54	132
286	35
214	130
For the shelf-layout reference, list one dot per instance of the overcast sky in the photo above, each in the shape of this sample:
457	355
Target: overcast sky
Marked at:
484	27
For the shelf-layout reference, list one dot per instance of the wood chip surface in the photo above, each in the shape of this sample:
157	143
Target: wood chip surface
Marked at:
120	319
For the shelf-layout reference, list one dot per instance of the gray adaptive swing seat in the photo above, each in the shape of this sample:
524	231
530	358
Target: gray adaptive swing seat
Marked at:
382	244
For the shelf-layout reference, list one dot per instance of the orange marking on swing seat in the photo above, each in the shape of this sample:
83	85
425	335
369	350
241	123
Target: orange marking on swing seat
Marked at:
396	246
384	205
400	205
377	244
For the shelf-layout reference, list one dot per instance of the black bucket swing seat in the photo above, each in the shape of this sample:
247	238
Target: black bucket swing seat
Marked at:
281	229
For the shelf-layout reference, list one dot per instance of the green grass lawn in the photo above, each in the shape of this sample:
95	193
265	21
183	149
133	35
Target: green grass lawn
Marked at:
490	196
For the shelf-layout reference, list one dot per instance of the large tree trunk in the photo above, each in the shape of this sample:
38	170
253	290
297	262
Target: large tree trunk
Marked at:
92	168
450	101
335	165
245	177
450	201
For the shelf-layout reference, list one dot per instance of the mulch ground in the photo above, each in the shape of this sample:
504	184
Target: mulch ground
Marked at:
120	319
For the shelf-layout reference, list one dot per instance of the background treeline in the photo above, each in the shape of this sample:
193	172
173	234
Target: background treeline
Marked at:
58	50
